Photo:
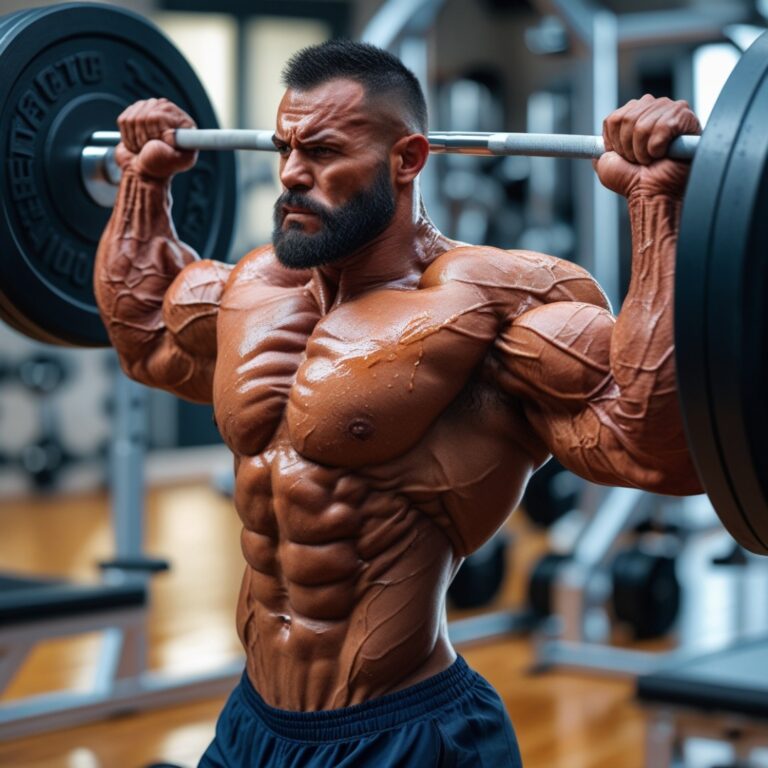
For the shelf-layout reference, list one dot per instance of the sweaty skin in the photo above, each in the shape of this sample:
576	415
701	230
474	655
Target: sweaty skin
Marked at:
386	411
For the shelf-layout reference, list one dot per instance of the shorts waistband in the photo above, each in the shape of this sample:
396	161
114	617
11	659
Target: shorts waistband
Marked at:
381	713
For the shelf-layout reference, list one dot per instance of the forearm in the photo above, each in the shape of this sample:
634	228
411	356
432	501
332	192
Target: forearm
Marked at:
642	356
138	260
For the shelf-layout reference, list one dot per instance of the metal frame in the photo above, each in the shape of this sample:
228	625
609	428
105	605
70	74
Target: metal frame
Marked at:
669	728
488	625
335	13
603	34
121	681
574	636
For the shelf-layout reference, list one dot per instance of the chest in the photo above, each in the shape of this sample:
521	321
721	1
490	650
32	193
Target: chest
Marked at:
381	370
360	385
262	334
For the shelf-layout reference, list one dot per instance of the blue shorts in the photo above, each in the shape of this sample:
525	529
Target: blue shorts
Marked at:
454	719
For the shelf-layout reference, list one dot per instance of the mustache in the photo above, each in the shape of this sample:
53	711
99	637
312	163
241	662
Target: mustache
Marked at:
300	200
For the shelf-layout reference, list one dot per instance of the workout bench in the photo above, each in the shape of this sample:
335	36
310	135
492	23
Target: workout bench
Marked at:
720	696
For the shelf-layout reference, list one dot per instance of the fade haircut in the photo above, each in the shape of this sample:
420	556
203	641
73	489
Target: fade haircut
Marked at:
381	74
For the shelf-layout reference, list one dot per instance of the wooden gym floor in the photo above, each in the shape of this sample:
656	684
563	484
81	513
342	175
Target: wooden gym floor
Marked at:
562	720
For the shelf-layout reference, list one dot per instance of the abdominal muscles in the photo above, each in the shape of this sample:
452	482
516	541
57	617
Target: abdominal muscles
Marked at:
343	593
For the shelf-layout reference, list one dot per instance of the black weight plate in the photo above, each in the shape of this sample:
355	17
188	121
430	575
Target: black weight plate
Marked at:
481	575
708	314
69	70
645	592
541	583
552	492
736	340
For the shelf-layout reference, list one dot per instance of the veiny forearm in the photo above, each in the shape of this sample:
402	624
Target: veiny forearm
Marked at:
160	316
642	346
642	361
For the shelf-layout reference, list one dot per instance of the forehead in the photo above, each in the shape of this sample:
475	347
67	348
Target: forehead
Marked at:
337	104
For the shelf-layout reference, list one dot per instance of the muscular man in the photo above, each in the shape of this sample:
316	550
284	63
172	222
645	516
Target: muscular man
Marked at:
387	393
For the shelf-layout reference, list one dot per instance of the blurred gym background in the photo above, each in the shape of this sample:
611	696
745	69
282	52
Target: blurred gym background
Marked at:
556	66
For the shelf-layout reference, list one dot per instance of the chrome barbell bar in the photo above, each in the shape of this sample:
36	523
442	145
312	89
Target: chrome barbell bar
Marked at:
440	142
101	174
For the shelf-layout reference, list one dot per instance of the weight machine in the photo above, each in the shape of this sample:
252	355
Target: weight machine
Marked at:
33	610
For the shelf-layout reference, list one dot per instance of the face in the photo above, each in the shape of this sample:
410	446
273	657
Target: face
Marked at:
334	168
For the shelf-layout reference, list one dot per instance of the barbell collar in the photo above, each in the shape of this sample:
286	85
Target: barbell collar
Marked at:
444	142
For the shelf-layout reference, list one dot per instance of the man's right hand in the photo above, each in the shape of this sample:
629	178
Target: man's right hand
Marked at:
147	133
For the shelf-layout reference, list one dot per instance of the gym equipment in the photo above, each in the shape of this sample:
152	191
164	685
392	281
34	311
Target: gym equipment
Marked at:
719	696
440	142
68	70
35	610
575	592
541	583
481	575
721	322
46	456
552	492
644	595
645	592
42	374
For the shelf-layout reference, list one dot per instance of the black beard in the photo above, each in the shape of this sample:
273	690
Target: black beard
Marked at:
344	229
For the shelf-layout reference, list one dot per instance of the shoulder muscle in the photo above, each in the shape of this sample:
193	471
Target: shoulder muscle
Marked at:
523	279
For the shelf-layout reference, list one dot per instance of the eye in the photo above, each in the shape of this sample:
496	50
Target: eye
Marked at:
321	151
282	149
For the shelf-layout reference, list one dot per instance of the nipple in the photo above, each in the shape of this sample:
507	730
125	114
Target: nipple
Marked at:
361	428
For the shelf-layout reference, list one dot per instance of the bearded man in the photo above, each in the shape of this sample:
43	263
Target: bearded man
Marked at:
387	393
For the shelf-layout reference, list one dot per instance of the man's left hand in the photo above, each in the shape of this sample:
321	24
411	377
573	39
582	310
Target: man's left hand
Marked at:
636	139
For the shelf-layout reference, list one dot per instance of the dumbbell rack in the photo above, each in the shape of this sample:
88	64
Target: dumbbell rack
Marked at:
37	610
575	635
576	589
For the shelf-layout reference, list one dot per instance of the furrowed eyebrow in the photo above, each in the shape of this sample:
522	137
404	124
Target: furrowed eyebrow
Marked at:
325	137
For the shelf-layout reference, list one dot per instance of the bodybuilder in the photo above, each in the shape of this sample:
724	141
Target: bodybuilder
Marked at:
387	393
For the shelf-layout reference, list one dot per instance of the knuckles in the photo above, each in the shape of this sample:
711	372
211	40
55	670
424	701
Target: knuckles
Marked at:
646	125
150	119
147	143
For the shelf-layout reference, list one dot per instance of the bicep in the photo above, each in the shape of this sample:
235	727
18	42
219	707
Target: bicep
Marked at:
191	306
557	360
557	354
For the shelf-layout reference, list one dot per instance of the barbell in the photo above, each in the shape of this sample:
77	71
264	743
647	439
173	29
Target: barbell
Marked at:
100	173
440	142
69	70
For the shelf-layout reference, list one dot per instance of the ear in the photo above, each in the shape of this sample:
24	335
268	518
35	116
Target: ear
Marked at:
408	156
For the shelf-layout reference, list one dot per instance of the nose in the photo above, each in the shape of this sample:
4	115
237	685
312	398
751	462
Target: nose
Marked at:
294	172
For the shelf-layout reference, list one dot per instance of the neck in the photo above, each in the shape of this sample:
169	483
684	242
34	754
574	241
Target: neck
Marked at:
394	259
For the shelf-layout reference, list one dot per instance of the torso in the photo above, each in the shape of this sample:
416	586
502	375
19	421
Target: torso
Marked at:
373	451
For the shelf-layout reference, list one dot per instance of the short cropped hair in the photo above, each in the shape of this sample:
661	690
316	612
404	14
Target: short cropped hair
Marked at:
378	71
